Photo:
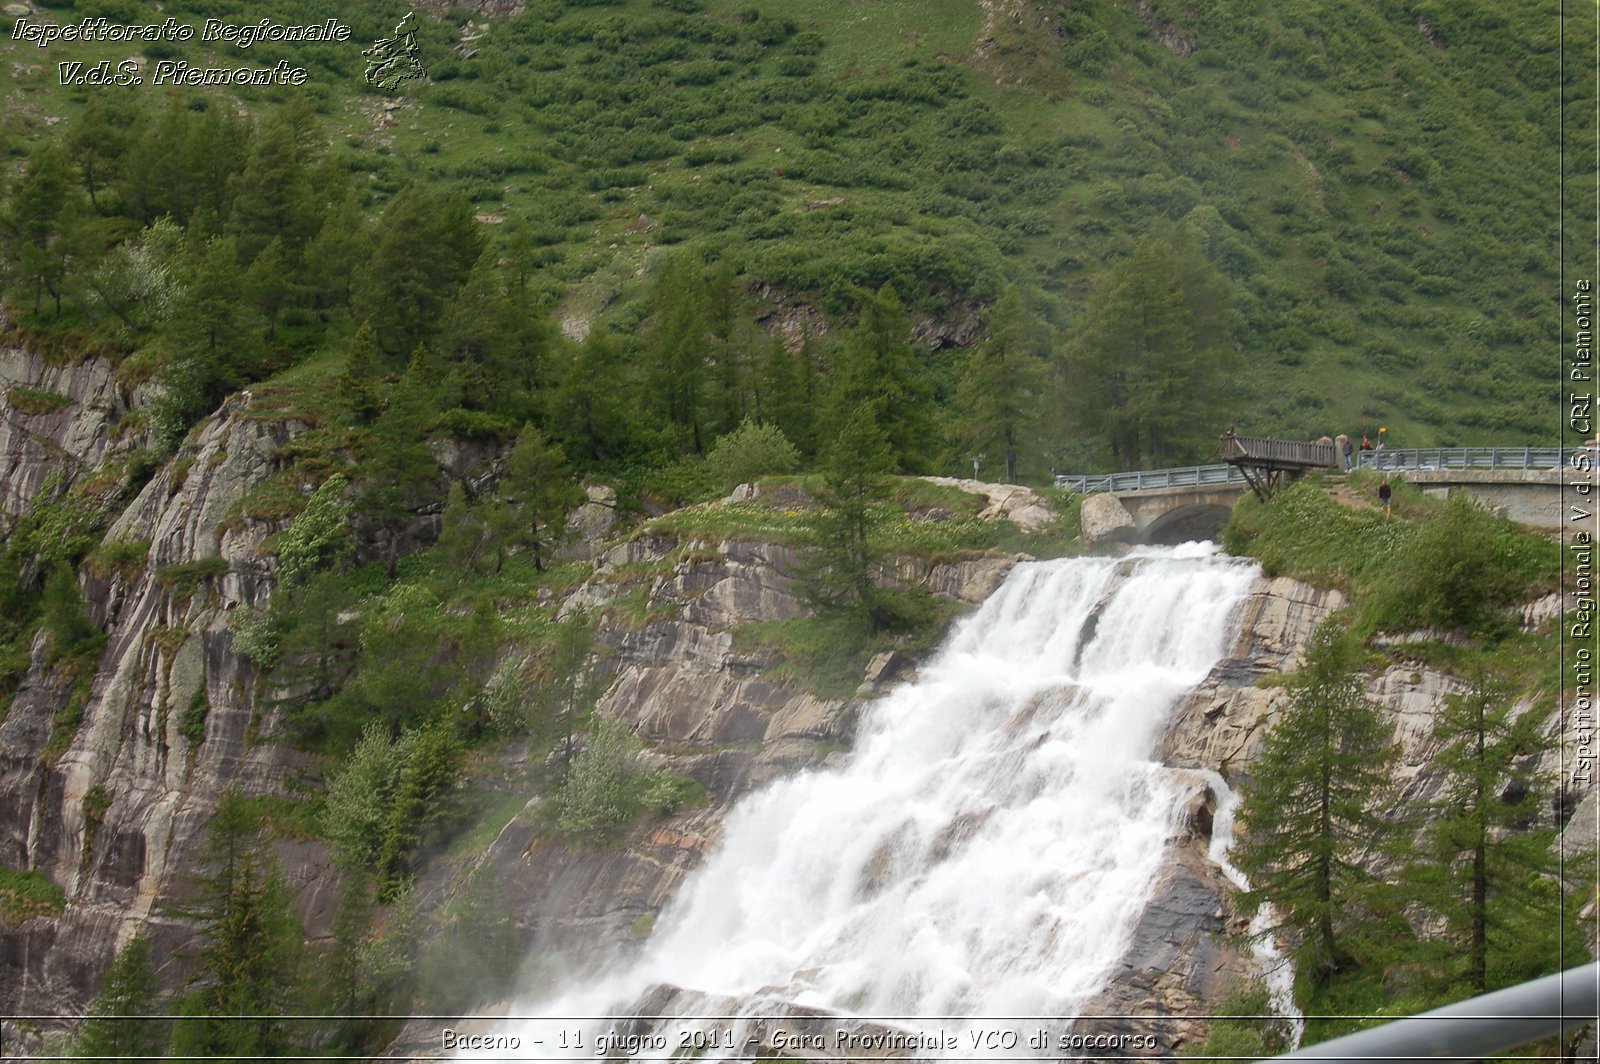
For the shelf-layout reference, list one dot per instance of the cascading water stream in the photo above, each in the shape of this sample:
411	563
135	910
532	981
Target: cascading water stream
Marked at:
988	845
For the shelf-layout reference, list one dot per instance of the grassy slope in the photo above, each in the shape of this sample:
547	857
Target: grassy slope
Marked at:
1379	179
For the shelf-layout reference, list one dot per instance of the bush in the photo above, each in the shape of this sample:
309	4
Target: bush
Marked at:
605	788
1460	570
749	452
72	632
320	535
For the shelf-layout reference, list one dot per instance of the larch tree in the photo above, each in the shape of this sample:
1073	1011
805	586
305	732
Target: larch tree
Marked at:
1488	870
877	369
252	951
122	1023
677	342
539	487
1145	372
1313	811
855	464
997	399
423	252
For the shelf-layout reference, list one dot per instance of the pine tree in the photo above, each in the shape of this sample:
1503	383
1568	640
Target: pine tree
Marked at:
997	401
1489	872
120	1023
1313	808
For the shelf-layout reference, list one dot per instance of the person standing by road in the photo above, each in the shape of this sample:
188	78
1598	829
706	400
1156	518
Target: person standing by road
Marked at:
1385	495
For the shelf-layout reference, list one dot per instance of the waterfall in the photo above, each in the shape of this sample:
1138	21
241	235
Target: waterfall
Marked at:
989	843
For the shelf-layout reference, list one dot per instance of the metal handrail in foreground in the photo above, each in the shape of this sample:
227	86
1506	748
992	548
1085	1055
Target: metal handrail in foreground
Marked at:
1474	1029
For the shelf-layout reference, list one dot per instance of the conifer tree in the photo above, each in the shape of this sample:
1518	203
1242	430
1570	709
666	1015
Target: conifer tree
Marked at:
121	1023
464	535
877	370
593	410
398	464
540	489
334	254
97	142
676	346
423	252
204	349
358	387
781	394
1145	371
273	197
496	334
1488	870
270	282
252	947
854	465
1313	808
997	401
39	223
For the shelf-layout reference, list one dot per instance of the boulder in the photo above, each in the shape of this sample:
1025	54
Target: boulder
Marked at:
1106	520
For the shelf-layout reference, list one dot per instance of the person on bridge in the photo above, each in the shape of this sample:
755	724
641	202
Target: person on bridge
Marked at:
1346	449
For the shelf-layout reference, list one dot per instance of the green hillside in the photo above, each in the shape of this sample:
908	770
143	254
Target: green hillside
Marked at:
1377	181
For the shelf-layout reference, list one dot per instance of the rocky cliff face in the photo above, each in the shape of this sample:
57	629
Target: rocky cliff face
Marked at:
117	816
170	721
59	420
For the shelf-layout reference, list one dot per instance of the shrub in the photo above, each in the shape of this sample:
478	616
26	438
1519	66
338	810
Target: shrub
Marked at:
749	452
320	535
36	400
119	557
25	894
605	788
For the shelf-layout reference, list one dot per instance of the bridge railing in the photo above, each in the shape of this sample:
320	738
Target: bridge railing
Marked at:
1467	458
1148	479
1398	460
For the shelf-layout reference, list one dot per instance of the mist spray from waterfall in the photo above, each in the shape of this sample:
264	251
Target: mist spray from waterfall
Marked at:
988	845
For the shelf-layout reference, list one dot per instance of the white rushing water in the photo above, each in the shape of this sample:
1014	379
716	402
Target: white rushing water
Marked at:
989	843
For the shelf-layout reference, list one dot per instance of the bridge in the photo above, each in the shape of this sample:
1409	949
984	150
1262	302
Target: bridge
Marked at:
1193	502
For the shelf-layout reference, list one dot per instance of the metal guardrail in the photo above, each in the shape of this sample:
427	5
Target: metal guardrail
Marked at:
1474	1029
1466	458
1397	460
1145	479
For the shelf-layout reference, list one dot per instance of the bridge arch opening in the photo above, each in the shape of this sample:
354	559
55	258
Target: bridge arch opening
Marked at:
1184	524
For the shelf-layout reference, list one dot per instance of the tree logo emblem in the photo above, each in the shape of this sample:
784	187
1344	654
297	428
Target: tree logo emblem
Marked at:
392	60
